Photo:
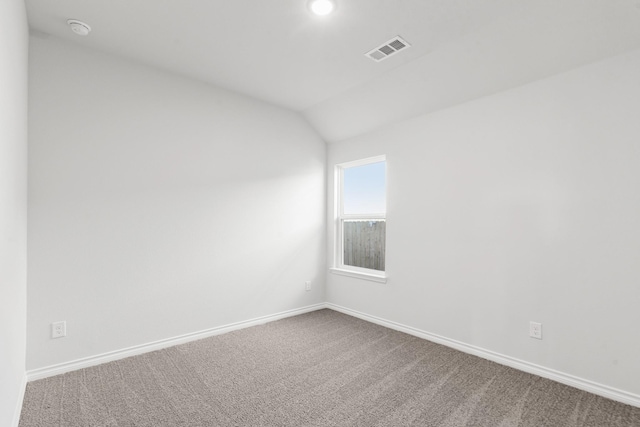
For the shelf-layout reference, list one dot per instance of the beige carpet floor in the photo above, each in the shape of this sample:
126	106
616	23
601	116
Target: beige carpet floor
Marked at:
318	369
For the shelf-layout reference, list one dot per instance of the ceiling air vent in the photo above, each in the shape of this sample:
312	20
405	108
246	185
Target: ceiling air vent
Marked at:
387	49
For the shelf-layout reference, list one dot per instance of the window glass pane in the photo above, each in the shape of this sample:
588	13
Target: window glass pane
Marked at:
364	189
364	243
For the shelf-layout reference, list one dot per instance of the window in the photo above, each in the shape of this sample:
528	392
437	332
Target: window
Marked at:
360	220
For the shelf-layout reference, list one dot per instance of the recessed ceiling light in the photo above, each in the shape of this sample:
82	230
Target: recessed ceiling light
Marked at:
79	27
322	7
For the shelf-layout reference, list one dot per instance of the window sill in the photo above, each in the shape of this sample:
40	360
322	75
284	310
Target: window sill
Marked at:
381	278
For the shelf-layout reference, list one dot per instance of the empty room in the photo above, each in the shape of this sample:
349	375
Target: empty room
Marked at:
320	213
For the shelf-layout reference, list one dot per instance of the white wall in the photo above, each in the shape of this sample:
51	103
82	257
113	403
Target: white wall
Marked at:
160	206
14	42
520	206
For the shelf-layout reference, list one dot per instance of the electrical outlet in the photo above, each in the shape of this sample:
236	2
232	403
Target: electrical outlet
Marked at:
58	329
307	285
535	330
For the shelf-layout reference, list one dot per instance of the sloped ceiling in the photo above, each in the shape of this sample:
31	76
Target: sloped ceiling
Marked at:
277	51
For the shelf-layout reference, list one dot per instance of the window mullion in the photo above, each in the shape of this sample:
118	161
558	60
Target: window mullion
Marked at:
364	216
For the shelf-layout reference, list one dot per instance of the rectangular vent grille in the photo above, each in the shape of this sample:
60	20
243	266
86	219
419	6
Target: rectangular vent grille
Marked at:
387	49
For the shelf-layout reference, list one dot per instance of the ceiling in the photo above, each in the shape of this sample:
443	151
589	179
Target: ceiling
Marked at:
277	51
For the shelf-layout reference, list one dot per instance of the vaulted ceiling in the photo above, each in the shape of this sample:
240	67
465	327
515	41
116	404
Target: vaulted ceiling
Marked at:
277	51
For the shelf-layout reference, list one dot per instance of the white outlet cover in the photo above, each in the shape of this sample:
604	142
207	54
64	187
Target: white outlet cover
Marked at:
535	330
58	329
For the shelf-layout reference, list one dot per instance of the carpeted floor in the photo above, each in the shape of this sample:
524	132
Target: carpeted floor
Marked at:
318	369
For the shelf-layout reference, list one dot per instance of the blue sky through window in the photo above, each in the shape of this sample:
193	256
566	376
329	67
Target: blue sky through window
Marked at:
365	189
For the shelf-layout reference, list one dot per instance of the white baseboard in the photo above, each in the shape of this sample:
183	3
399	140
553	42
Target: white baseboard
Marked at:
18	409
563	378
570	380
86	362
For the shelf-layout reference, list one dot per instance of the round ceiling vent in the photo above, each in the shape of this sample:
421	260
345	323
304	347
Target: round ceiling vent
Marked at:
79	27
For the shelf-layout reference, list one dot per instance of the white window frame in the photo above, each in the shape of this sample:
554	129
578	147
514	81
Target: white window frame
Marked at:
339	217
